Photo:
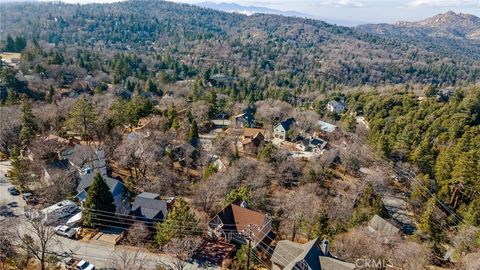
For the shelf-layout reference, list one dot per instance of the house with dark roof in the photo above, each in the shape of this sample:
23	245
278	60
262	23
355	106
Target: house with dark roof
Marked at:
280	131
185	154
314	255
246	118
237	224
55	167
253	138
311	144
149	208
116	188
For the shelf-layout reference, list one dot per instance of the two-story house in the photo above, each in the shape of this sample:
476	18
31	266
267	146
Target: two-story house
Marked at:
336	106
280	131
238	224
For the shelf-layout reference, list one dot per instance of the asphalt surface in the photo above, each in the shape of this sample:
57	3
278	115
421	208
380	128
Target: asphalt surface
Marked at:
99	254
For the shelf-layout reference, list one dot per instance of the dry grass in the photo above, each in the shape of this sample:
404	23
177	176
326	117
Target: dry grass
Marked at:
6	56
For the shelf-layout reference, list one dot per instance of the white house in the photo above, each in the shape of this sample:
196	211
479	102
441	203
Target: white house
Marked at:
280	131
336	107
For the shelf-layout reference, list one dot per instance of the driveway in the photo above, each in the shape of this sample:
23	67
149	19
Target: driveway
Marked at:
101	255
9	204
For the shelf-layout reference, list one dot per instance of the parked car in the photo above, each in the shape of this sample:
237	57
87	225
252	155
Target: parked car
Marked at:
78	264
66	231
30	198
13	191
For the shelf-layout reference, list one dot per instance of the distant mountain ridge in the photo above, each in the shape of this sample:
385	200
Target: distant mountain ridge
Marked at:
447	25
250	10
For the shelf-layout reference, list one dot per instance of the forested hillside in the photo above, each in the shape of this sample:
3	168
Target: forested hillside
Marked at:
367	137
264	50
440	138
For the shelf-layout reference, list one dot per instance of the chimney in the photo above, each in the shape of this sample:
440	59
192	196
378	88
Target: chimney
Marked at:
325	247
243	204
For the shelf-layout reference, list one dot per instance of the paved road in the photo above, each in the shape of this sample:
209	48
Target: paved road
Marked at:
101	255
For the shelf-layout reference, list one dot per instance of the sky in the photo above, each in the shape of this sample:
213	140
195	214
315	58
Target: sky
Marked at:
349	12
365	11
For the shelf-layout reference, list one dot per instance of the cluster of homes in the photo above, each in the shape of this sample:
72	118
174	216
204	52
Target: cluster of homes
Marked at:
233	226
282	135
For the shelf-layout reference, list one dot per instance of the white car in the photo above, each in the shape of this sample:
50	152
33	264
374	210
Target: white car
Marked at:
84	265
66	231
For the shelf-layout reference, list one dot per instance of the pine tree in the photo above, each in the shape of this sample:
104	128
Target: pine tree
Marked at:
179	222
50	94
429	226
9	44
18	172
242	193
29	127
151	87
349	123
82	118
472	216
98	198
193	132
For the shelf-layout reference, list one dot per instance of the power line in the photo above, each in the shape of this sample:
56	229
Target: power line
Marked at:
412	177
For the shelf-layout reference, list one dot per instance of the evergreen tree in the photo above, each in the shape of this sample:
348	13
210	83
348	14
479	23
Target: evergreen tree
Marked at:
29	127
151	87
179	222
9	44
349	123
265	153
472	216
50	94
242	193
98	198
19	44
193	132
18	172
429	226
82	118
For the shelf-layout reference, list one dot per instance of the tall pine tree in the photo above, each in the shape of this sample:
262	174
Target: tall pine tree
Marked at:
29	127
82	118
193	133
180	222
99	201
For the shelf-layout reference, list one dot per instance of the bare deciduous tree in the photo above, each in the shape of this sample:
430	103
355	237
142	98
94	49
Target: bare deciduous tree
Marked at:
37	239
7	238
181	250
137	234
126	259
60	185
9	127
271	111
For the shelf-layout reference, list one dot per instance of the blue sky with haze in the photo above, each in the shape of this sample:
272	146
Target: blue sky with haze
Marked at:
365	10
355	11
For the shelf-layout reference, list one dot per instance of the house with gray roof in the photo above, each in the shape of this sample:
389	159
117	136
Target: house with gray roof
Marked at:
336	106
382	226
314	255
326	127
149	208
116	188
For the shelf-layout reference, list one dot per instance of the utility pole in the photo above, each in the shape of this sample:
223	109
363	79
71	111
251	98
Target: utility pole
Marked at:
248	255
249	245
